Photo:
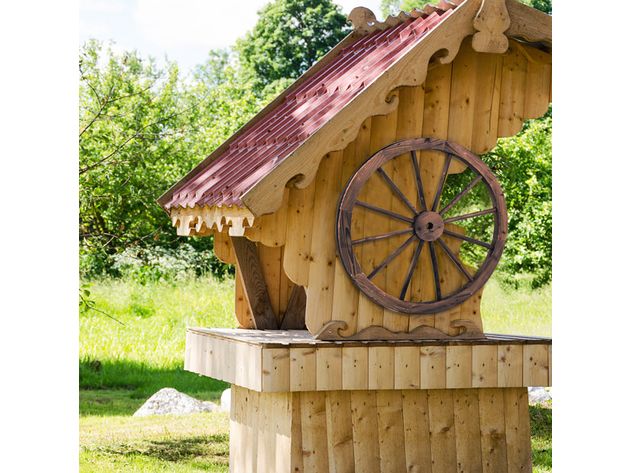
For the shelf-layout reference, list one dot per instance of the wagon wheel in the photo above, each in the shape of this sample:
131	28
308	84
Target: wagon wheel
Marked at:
425	227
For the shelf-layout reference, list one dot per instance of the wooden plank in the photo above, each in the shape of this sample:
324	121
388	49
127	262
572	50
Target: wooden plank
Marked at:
303	369
517	430
510	366
492	427
346	296
237	428
535	365
513	84
297	457
467	431
324	248
282	413
253	437
223	247
441	427
484	366
295	313
339	434
375	252
381	367
276	370
354	369
537	89
417	431
364	426
391	432
299	235
270	258
254	284
459	366
407	367
461	116
188	350
487	96
241	308
266	435
328	368
314	431
273	226
432	367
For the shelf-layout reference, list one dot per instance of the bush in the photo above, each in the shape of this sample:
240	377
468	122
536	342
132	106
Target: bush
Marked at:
152	263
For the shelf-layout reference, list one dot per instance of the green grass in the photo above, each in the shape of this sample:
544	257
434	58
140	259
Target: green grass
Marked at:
512	311
123	362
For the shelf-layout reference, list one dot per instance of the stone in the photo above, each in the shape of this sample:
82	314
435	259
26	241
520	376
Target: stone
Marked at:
226	400
170	401
538	394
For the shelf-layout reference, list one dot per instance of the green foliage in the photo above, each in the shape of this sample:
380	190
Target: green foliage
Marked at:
523	166
288	38
141	130
394	7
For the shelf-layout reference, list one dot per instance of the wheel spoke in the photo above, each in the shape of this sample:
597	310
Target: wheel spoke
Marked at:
438	192
380	237
468	239
416	170
460	195
392	256
397	190
470	215
412	267
457	262
436	274
383	211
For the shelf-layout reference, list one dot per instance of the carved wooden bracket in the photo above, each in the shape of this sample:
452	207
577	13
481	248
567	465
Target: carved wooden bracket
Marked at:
254	284
491	21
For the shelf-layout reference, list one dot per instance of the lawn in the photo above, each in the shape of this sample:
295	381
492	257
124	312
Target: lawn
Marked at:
138	348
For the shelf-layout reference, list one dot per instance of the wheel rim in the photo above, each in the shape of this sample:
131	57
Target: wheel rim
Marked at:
426	227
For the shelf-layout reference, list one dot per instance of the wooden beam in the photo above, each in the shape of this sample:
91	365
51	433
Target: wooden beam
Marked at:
254	284
295	314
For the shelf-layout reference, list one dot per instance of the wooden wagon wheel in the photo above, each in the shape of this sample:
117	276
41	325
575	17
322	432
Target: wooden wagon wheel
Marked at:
426	226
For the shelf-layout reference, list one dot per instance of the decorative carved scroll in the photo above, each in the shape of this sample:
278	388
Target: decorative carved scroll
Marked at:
330	331
491	22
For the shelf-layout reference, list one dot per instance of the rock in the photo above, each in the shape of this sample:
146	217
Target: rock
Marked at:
170	401
226	400
538	394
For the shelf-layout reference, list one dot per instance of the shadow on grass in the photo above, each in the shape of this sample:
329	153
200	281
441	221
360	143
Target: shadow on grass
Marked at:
541	423
176	450
109	388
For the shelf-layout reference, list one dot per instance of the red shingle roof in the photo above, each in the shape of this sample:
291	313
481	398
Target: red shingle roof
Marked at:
302	112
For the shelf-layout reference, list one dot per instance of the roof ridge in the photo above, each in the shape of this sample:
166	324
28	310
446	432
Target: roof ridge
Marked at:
364	20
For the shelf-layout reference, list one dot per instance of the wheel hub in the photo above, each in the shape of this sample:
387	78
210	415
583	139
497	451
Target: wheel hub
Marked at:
428	226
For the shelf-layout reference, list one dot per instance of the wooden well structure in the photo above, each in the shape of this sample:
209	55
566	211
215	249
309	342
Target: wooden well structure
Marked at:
360	344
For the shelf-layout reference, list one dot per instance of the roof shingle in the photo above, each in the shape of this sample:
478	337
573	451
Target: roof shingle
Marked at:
302	112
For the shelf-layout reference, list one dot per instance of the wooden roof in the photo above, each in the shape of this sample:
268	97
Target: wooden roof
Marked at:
323	109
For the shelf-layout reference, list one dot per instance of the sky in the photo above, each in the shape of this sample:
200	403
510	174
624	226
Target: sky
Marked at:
184	30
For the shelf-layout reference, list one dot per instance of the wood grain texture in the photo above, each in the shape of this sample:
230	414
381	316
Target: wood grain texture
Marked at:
254	285
449	430
295	364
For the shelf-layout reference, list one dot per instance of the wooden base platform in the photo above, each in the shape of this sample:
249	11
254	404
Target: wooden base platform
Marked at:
290	361
305	405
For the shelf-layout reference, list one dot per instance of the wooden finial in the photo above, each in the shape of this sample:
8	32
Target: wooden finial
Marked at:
361	16
491	21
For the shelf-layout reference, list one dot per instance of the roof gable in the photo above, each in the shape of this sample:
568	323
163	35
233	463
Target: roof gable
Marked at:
322	111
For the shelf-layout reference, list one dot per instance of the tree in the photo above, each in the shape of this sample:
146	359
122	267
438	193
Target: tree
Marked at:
288	38
394	7
141	129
